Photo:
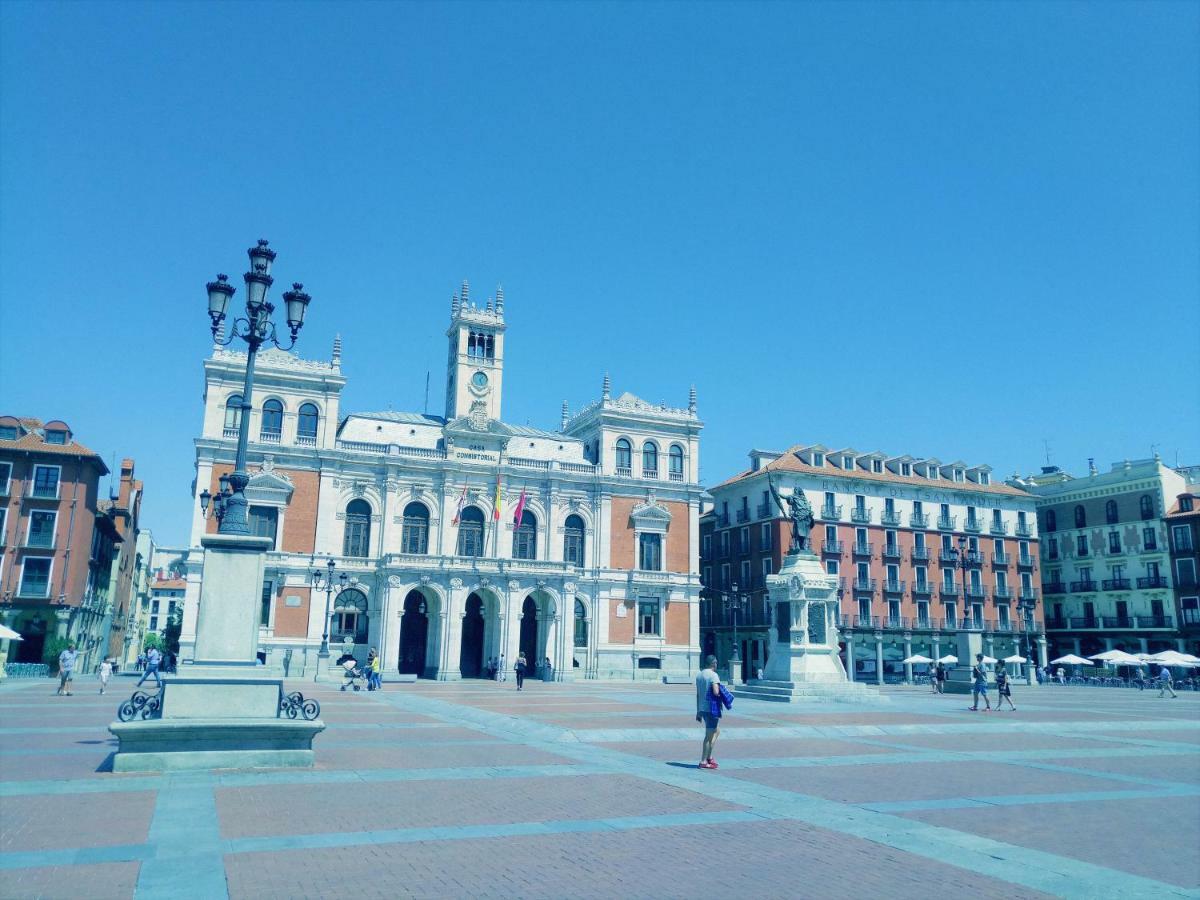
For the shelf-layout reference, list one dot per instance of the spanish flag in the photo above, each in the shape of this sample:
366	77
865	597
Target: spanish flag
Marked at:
496	502
520	510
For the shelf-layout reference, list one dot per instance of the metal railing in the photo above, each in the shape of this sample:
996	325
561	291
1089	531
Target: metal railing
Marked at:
974	525
949	592
1054	587
831	512
743	516
1116	584
860	549
833	548
976	591
764	511
1024	560
893	587
891	551
860	515
1152	581
995	527
1083	587
1029	594
1024	530
918	520
922	588
1002	593
864	584
1001	559
919	554
890	517
947	523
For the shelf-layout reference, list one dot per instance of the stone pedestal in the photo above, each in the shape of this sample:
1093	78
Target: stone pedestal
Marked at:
227	711
959	680
804	663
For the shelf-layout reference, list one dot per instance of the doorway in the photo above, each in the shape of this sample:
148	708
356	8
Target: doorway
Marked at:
414	635
529	632
471	648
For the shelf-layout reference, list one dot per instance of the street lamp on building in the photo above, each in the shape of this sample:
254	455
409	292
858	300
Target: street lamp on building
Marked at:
734	604
326	582
960	562
256	329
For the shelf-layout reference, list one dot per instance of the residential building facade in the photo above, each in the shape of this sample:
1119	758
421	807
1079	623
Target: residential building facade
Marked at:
124	512
1107	557
1183	528
464	538
52	537
922	549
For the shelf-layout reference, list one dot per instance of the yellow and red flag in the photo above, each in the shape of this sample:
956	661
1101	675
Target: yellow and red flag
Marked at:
496	502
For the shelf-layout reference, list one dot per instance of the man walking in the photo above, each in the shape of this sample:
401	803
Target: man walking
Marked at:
708	689
153	659
979	684
939	678
105	674
1164	682
66	669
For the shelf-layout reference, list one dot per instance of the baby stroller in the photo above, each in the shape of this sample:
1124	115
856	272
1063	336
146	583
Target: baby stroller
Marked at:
355	677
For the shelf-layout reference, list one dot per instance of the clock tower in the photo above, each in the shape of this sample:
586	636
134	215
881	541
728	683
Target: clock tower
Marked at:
475	369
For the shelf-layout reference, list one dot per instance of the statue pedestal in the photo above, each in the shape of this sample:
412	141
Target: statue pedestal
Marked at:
958	679
803	663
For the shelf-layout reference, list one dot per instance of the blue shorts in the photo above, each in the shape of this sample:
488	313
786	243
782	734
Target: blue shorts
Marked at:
980	687
710	721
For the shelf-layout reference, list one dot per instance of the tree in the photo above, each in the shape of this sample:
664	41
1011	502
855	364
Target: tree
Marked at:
51	649
171	632
152	639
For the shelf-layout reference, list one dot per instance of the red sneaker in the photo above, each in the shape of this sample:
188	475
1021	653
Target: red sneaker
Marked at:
712	763
707	764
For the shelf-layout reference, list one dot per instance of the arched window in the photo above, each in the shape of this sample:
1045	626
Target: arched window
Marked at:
624	456
1147	506
1051	520
233	413
580	624
272	419
525	537
357	541
306	421
349	617
573	530
416	529
1080	517
649	460
676	463
1110	512
470	532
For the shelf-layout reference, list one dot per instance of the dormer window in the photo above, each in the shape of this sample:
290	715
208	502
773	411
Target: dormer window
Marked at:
56	437
985	478
932	473
818	459
905	469
877	465
960	475
9	433
847	462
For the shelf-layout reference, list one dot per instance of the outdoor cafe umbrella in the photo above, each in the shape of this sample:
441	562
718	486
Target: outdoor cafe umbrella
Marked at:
949	658
1072	660
1015	658
7	634
987	661
918	659
1118	658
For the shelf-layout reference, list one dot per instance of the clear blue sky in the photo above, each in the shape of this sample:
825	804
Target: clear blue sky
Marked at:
941	229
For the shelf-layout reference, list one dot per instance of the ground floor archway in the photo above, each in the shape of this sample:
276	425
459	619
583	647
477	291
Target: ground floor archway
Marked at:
414	635
529	631
470	657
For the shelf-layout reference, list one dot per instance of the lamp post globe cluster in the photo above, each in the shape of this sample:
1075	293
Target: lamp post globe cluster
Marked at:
256	329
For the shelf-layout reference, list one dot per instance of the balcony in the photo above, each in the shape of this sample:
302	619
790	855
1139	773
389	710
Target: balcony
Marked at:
1155	621
650	473
1054	587
743	516
1084	587
862	549
896	623
976	591
866	621
949	593
1151	581
1084	622
229	433
922	588
947	523
1150	547
832	548
1001	559
893	587
891	551
1024	529
1056	624
764	510
919	554
918	520
304	440
890	517
1025	561
1000	527
831	513
677	476
924	622
974	525
975	558
1118	621
1029	594
1116	584
270	437
1000	594
865	585
722	518
860	515
627	472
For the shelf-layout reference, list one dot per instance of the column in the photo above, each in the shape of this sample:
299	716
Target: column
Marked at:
450	617
907	653
937	645
879	658
1043	657
389	626
988	646
6	619
64	617
1145	642
1078	647
850	655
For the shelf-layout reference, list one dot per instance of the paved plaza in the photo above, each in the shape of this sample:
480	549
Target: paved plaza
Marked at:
590	790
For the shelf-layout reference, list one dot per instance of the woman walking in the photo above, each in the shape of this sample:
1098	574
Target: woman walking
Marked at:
520	668
1003	688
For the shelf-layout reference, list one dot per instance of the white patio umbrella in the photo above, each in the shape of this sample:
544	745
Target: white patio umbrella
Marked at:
949	658
1118	658
1015	658
1071	660
1173	658
7	634
918	659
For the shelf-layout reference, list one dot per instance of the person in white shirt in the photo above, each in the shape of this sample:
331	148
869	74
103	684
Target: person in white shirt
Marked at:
708	685
104	674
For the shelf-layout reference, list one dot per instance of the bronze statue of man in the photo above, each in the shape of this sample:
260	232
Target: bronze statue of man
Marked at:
799	511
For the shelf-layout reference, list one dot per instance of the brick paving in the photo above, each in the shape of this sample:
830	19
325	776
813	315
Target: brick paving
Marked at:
589	790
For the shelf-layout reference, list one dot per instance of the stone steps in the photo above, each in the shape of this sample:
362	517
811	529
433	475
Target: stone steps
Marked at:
809	692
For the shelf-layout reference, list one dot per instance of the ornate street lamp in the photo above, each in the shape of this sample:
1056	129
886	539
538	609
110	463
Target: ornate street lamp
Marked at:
1027	605
733	606
327	584
256	329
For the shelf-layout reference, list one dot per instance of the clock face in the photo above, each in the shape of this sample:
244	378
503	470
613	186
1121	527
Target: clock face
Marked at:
479	380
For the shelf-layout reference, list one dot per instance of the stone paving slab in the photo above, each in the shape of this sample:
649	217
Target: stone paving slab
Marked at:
100	881
296	809
435	756
51	822
1006	740
1100	832
688	751
1182	768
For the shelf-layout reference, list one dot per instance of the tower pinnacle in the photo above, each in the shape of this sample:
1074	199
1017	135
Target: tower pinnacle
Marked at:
606	391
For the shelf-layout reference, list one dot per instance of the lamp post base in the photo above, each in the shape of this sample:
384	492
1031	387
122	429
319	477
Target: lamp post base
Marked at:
322	664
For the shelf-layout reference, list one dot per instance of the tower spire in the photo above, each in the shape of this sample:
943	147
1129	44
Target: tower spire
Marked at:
454	307
692	400
337	350
606	391
564	416
500	300
466	294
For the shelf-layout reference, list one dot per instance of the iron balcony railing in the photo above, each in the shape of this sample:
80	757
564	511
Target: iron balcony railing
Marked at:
1024	560
764	510
995	527
860	515
722	518
864	585
1054	587
1152	581
743	516
973	525
1083	587
1084	621
919	554
893	587
1002	593
1116	584
922	588
947	523
832	548
1024	529
891	551
1029	594
976	591
831	512
861	549
1001	559
1118	621
1155	621
1053	623
890	517
918	520
949	592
